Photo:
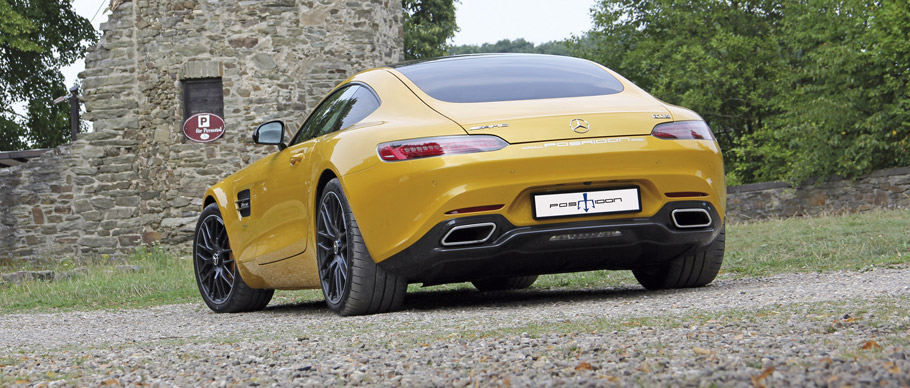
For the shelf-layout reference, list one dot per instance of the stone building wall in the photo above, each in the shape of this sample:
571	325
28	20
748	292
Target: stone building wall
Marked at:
276	59
37	217
882	189
136	178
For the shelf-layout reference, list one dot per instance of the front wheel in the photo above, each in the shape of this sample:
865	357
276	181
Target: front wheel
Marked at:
694	269
219	282
352	283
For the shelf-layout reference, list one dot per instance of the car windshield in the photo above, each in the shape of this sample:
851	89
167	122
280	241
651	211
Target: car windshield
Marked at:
489	78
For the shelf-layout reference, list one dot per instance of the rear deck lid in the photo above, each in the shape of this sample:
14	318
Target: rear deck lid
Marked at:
530	98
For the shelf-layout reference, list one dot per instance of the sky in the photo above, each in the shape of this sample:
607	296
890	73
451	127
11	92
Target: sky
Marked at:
481	21
537	21
87	9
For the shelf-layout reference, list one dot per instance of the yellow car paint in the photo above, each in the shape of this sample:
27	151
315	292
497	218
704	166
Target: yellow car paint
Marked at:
418	193
396	203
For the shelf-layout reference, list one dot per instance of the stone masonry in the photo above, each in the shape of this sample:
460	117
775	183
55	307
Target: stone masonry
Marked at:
882	189
37	214
136	178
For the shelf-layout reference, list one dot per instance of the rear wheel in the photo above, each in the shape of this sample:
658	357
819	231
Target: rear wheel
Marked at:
506	283
219	282
689	270
351	282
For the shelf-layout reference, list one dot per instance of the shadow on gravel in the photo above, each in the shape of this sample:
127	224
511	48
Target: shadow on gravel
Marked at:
459	299
313	308
440	300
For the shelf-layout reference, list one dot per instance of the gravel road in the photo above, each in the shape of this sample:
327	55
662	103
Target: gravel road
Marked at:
830	329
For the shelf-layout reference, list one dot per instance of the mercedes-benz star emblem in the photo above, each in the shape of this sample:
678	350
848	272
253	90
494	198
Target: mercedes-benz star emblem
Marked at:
580	125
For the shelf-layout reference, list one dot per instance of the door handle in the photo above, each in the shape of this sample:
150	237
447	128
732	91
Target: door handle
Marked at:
295	159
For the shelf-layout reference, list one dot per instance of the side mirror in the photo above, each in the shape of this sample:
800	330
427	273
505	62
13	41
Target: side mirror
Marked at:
270	133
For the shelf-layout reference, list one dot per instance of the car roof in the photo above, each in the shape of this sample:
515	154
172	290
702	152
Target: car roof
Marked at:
508	77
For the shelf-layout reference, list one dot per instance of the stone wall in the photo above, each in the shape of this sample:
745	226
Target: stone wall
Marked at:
38	218
136	178
277	59
882	189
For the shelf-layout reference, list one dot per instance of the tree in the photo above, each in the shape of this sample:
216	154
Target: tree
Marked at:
513	46
428	26
792	89
846	108
714	57
37	38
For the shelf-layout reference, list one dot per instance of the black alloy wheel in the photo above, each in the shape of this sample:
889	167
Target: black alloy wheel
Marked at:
352	283
215	266
332	240
220	283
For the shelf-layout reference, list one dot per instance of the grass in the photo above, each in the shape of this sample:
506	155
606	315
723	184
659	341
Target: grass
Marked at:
817	244
828	243
162	279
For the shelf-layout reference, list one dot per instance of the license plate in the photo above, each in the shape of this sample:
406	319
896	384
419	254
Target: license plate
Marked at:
584	203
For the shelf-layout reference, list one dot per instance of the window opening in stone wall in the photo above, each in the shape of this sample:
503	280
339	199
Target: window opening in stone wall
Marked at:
205	95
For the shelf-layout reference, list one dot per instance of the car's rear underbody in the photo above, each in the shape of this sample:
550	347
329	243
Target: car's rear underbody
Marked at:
488	246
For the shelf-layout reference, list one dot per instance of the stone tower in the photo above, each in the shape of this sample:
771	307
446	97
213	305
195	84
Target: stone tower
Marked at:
137	178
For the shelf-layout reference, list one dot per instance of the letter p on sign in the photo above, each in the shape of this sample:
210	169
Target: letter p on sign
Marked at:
204	121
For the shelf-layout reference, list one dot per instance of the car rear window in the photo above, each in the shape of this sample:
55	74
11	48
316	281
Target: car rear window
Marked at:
491	78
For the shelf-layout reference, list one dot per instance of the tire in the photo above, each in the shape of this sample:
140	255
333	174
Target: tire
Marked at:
219	282
351	281
689	270
507	283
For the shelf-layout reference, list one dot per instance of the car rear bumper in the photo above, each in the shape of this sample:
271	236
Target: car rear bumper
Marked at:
550	248
397	203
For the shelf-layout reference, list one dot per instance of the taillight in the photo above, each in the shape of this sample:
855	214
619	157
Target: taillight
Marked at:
683	130
436	146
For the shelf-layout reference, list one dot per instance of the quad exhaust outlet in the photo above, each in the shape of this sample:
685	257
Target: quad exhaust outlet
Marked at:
691	218
469	234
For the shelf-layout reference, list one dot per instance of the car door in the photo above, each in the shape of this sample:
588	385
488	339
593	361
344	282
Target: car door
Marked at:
287	181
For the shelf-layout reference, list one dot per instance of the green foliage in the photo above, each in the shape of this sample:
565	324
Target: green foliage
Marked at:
36	40
428	25
845	110
13	29
711	56
791	89
512	46
12	135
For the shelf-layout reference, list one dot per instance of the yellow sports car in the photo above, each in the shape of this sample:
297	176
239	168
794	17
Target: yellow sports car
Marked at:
491	169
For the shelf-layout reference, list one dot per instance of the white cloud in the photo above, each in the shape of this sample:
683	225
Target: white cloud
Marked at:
537	21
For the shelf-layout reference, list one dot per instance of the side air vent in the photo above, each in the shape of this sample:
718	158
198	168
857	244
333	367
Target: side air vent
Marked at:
243	203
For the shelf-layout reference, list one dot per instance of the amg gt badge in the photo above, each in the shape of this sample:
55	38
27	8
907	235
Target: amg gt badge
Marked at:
580	125
660	116
488	127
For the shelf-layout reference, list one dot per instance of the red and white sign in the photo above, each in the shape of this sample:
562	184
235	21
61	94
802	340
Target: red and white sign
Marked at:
203	127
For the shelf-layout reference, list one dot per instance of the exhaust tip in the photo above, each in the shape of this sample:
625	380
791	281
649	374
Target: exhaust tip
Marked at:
469	234
691	218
